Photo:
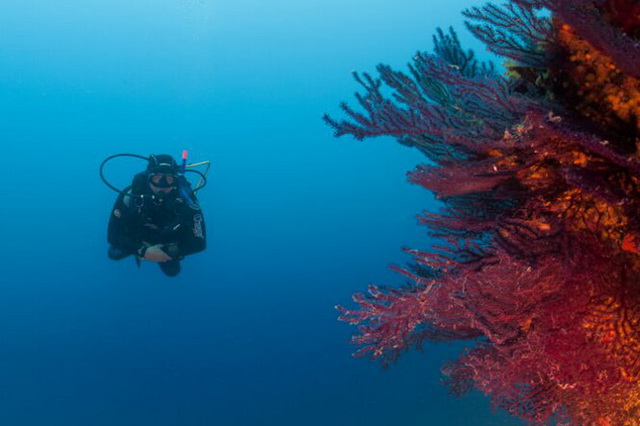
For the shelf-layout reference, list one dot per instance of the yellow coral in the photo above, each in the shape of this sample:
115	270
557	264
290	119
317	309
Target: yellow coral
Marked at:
606	93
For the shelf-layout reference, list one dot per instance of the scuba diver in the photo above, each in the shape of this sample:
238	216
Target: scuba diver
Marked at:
157	218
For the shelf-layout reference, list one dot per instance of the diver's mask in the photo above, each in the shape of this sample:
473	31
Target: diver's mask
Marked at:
162	180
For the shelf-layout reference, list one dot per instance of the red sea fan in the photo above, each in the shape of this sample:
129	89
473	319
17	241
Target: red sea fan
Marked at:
538	173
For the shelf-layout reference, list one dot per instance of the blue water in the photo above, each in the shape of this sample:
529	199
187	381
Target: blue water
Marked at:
297	220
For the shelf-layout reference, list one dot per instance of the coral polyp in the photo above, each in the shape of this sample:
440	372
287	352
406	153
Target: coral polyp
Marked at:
538	175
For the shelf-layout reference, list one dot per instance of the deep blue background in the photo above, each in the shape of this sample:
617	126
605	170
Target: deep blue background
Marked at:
297	221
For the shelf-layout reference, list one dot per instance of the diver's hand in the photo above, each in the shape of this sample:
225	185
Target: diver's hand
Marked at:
156	254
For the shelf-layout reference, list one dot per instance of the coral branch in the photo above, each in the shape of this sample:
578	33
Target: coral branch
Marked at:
513	31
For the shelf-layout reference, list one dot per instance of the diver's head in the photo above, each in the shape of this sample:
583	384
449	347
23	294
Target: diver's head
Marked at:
162	171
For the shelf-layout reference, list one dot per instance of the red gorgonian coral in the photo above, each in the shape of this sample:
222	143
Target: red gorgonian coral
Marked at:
538	172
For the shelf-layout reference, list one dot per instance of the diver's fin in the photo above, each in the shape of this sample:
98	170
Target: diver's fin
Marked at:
137	260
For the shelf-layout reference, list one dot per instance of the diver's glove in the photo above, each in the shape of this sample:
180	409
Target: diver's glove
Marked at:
143	250
172	250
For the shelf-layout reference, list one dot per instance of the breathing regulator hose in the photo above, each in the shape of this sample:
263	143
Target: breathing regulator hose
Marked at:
184	188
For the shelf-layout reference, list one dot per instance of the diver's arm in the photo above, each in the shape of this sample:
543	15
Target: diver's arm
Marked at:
192	238
119	231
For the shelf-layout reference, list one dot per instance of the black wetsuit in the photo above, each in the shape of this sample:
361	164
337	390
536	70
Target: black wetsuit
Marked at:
146	219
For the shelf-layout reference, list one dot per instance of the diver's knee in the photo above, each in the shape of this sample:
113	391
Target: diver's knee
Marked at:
170	268
115	253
